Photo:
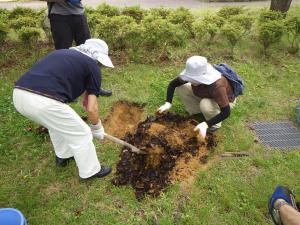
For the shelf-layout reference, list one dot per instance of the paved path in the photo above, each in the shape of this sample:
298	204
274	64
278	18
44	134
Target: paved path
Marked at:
192	4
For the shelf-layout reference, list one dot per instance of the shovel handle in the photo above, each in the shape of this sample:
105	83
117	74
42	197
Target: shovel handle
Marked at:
123	143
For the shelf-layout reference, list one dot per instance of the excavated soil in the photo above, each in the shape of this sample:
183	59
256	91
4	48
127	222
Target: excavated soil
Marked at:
123	118
174	153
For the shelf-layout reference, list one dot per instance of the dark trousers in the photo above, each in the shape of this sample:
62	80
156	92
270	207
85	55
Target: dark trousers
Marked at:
66	28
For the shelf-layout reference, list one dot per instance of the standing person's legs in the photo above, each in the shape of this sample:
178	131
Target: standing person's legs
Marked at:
81	32
61	31
80	29
71	134
189	100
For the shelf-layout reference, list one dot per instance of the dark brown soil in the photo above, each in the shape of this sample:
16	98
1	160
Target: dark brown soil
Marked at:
174	151
174	154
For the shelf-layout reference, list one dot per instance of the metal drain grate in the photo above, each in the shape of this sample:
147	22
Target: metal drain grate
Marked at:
281	135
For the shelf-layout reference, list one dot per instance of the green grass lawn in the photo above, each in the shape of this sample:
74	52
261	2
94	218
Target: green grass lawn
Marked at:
231	191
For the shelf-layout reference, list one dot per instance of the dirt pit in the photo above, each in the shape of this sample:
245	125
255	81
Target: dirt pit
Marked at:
174	153
123	118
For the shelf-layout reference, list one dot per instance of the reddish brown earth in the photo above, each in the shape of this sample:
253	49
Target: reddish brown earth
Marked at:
123	118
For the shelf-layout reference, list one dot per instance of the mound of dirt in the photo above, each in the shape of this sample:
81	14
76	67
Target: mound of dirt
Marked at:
174	153
123	118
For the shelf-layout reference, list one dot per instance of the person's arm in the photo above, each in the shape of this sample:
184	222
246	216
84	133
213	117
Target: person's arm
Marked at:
93	117
92	109
171	88
220	96
225	113
170	93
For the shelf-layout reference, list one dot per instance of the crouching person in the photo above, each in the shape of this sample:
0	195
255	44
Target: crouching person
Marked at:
203	89
43	92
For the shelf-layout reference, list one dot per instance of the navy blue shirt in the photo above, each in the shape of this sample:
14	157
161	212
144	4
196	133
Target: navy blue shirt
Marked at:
63	75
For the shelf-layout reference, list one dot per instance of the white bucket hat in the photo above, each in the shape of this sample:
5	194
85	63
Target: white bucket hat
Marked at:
198	71
97	49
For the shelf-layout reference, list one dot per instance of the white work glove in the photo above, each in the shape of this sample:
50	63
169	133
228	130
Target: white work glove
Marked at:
98	130
202	128
164	107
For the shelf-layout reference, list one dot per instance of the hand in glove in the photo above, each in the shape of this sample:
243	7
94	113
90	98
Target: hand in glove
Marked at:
98	130
202	128
165	107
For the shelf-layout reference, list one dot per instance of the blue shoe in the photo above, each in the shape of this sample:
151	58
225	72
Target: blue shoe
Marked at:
280	193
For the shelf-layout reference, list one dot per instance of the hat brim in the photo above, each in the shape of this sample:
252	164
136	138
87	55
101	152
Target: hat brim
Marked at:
105	60
208	78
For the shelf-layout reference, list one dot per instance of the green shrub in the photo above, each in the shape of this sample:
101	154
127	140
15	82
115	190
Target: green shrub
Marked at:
89	10
160	12
22	12
205	29
135	12
243	20
40	13
270	33
20	22
228	11
111	30
214	19
4	13
212	29
130	39
129	36
233	33
267	15
93	20
161	33
106	30
183	17
292	25
199	30
45	25
29	35
108	10
3	32
209	25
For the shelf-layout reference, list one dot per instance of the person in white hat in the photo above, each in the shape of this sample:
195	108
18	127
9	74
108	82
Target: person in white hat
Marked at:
202	89
43	92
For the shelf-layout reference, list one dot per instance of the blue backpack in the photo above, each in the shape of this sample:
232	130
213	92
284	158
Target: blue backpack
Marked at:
236	82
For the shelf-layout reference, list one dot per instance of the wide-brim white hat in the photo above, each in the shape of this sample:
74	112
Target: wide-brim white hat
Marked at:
97	49
199	71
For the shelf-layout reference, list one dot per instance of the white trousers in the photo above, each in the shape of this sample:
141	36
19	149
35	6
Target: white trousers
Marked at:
194	104
70	135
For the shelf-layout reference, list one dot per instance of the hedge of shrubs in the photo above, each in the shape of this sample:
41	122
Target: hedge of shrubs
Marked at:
135	31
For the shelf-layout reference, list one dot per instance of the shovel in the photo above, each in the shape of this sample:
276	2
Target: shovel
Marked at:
123	143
